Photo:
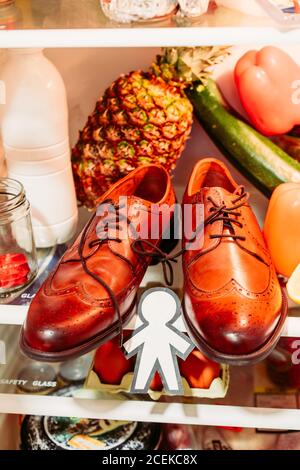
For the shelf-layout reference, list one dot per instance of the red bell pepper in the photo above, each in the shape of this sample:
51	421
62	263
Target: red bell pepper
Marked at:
268	83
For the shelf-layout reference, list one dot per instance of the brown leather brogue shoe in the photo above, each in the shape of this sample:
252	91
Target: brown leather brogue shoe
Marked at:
233	305
91	294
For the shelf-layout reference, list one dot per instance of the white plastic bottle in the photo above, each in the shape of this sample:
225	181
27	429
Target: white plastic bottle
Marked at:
34	123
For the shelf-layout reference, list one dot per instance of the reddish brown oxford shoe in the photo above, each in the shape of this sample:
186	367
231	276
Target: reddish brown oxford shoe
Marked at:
91	294
233	305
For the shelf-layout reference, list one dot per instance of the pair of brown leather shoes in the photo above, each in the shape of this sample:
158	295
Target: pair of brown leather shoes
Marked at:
233	305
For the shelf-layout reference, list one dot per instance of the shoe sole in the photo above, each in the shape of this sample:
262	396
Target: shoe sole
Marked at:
238	360
81	349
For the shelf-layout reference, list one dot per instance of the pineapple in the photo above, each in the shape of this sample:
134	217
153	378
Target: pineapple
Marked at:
143	117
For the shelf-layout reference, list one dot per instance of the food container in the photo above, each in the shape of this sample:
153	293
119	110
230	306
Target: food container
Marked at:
75	371
10	15
282	229
18	263
217	389
126	11
56	433
193	8
250	7
113	373
285	12
280	367
37	378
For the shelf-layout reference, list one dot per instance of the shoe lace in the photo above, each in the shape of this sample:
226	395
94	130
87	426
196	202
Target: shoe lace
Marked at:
109	222
145	248
227	214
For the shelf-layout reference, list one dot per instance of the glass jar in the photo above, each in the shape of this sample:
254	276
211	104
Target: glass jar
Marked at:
37	378
76	370
126	11
10	15
18	263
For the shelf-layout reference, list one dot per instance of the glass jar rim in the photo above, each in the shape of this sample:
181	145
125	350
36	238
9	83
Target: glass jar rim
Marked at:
15	192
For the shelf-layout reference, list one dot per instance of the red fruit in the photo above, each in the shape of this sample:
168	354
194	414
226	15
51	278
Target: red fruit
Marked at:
198	370
12	259
110	363
156	384
13	270
13	282
178	436
232	429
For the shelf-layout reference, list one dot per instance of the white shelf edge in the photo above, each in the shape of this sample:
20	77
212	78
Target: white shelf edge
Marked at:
146	37
13	314
292	327
147	411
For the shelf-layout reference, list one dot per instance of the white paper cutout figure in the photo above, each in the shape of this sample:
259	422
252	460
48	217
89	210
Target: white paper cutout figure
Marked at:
157	342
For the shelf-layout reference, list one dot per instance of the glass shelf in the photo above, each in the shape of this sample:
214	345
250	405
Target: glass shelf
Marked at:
86	14
81	23
252	401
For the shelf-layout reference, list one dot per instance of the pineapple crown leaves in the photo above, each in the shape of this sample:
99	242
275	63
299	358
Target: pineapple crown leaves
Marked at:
189	64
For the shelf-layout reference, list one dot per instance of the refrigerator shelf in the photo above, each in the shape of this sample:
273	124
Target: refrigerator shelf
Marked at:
252	400
146	37
211	415
148	411
60	24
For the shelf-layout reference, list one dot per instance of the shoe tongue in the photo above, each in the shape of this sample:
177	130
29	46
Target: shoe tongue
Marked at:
219	195
222	192
132	201
139	201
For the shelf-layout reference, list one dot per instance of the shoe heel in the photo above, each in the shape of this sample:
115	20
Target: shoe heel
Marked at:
168	245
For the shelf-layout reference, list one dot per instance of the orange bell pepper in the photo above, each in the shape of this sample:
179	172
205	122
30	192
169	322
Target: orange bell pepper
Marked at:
297	6
282	228
268	83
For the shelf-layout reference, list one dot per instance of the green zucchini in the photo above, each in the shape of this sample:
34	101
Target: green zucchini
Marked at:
258	158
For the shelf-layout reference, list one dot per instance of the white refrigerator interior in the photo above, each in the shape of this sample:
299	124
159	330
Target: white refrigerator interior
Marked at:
86	73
